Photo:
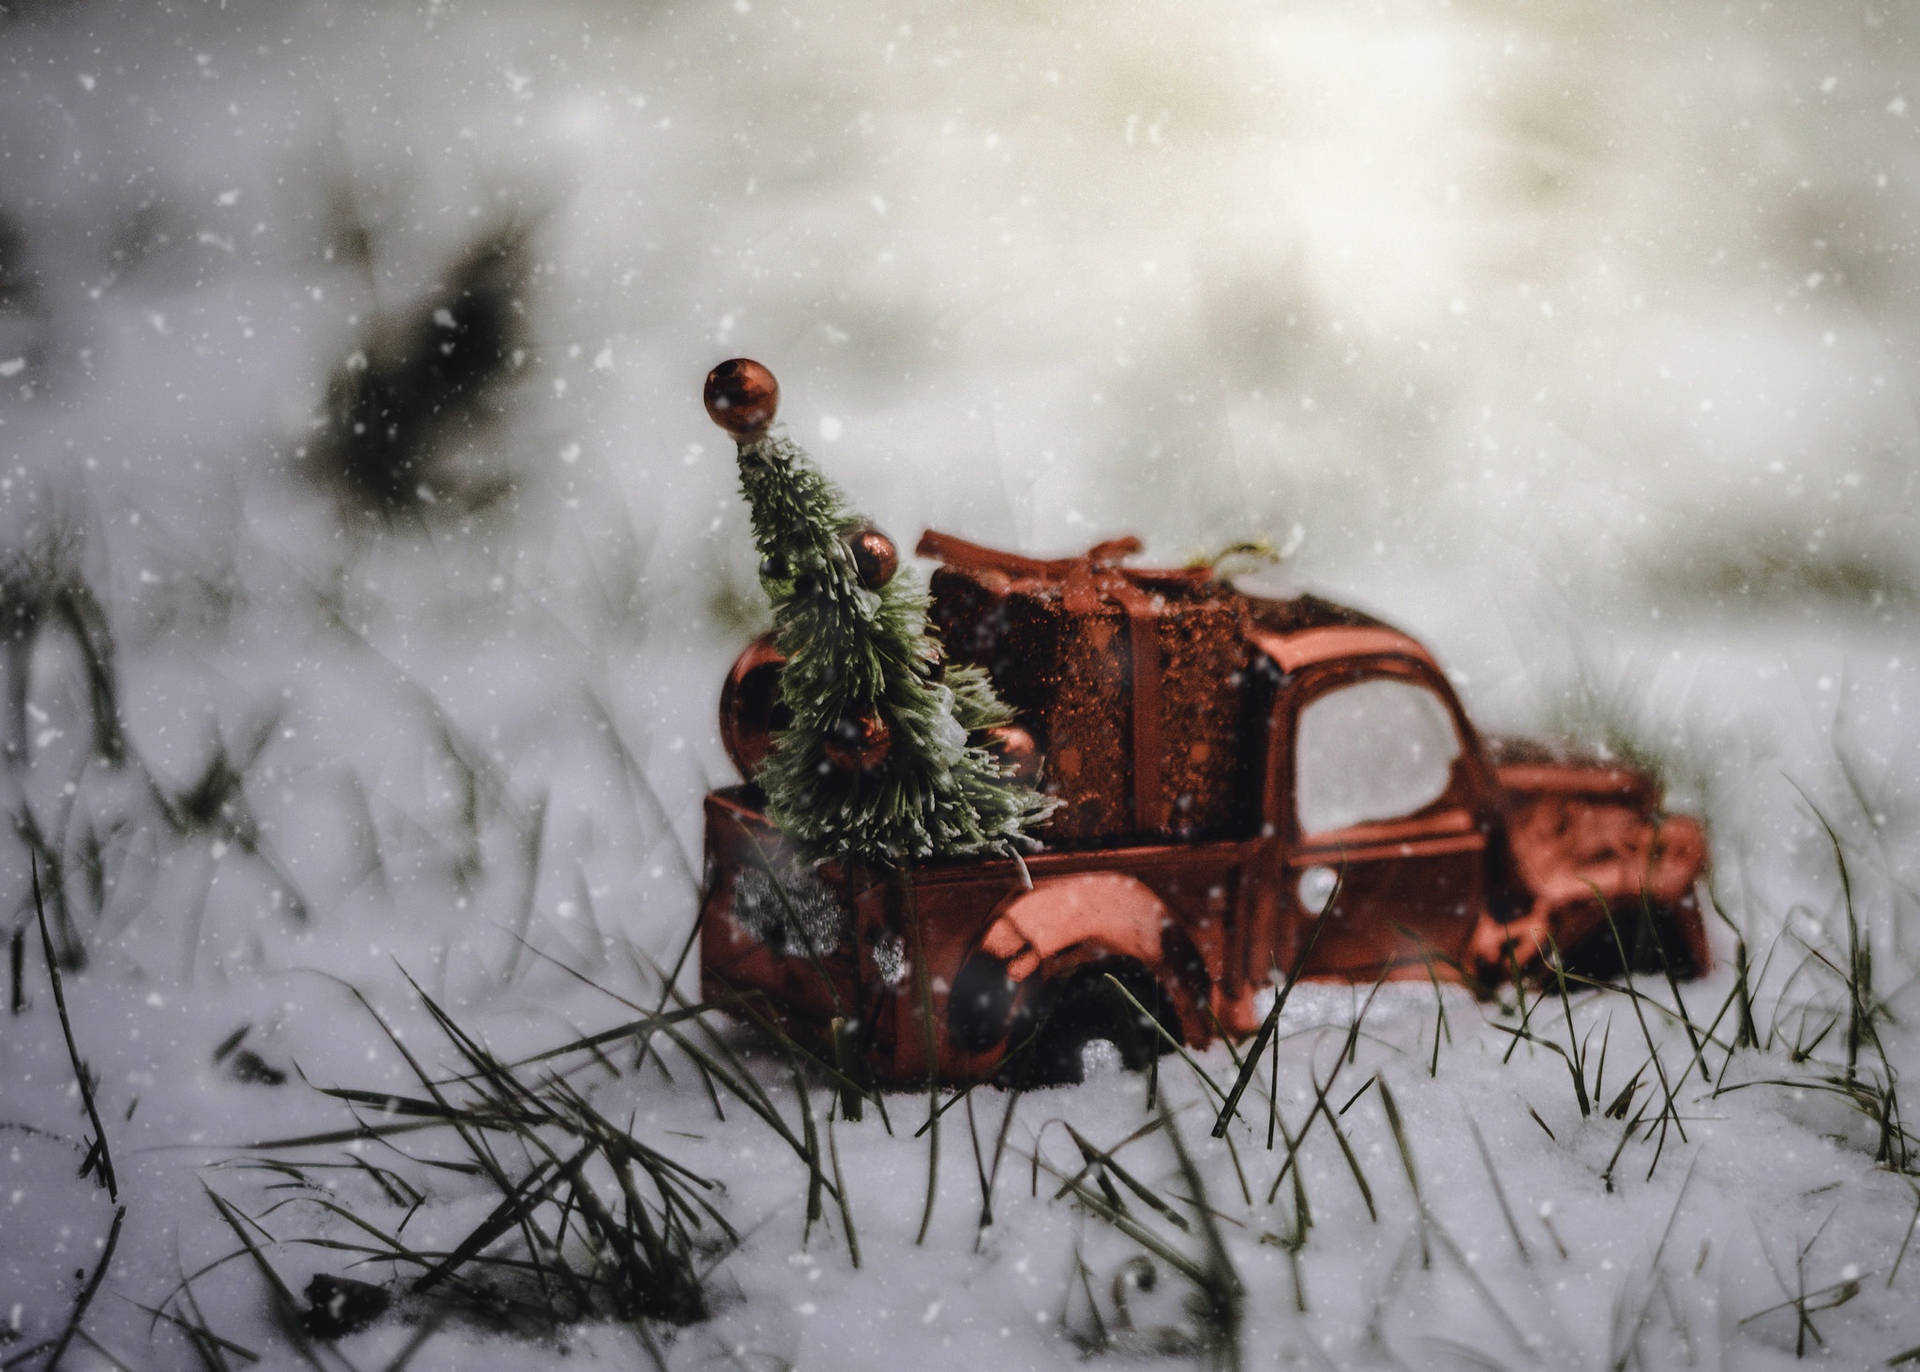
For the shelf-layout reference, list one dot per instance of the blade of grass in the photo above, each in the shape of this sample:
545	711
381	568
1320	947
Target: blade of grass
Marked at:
1576	1059
1152	1021
98	1150
285	1307
993	1171
88	1292
1222	1291
923	997
1392	1110
1499	1191
1908	1239
1261	1040
840	1195
512	1209
1108	1164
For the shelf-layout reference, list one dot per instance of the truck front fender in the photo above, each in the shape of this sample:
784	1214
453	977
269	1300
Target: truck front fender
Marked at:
1610	868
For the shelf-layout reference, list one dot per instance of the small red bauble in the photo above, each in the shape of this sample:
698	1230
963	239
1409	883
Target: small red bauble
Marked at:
742	397
751	710
859	743
875	559
1015	747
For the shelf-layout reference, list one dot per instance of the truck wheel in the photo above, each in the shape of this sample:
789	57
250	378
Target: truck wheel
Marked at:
1053	1029
1656	937
981	1003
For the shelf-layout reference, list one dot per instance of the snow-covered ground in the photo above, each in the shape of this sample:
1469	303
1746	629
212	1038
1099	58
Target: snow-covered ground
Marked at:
1579	340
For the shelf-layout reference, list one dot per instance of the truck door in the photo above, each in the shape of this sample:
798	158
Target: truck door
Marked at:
1386	837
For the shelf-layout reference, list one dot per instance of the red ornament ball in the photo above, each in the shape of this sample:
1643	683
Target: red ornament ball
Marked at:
875	559
751	710
1015	747
858	743
742	397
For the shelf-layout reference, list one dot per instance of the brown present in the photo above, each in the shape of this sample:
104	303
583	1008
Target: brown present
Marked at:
1131	680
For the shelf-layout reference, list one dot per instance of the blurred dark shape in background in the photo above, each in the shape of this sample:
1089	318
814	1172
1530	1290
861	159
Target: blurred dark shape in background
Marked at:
16	288
1751	561
42	587
26	9
21	312
406	411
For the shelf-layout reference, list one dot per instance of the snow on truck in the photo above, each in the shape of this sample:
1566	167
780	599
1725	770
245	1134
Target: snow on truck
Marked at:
1248	787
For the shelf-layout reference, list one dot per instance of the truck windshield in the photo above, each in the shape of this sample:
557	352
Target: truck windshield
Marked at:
1377	749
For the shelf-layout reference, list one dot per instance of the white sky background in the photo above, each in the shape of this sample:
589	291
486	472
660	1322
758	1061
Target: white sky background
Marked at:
1580	340
1544	289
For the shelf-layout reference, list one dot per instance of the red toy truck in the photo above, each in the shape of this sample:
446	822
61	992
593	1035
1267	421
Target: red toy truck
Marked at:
1245	782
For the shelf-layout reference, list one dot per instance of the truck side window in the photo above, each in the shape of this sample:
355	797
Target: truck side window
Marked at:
1377	749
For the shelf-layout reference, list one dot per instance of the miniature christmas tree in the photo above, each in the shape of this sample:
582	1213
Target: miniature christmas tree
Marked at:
889	757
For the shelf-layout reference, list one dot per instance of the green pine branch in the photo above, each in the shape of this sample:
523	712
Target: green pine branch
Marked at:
853	653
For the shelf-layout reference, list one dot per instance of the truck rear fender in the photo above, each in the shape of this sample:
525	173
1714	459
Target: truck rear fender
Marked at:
1065	923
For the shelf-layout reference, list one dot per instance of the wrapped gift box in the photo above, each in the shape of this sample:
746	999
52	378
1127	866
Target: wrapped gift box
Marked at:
1131	680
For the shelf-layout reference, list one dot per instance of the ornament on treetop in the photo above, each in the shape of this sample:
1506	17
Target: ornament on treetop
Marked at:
742	398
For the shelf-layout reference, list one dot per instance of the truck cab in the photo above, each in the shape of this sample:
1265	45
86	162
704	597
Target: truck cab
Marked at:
1381	837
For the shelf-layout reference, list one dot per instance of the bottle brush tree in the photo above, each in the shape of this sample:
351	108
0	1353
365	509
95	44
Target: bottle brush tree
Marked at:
889	757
